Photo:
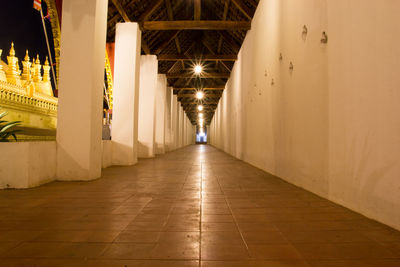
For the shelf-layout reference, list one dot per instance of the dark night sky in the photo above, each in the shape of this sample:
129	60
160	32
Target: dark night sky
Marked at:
21	23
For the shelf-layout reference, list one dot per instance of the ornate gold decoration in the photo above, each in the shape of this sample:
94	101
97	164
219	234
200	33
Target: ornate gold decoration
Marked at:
13	67
109	81
56	30
3	76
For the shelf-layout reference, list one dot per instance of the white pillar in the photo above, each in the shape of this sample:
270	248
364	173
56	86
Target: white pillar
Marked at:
193	138
147	100
126	94
80	101
184	129
160	113
175	122
168	122
181	118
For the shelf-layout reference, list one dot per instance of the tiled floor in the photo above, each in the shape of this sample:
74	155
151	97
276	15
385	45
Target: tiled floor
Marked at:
153	214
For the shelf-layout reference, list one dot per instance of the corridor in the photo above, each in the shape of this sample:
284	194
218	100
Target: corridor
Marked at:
196	206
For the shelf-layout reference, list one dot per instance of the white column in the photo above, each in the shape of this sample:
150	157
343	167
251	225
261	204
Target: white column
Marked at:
160	113
193	138
126	94
175	122
168	121
147	110
185	131
181	119
80	101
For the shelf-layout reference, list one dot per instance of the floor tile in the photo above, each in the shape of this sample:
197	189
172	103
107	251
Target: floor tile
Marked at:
192	207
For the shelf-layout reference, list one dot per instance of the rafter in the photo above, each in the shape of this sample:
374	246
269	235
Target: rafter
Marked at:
243	8
195	25
225	66
132	3
114	19
195	102
183	64
145	47
171	17
166	42
187	75
194	95
226	36
150	9
197	9
126	18
121	10
215	88
224	15
211	57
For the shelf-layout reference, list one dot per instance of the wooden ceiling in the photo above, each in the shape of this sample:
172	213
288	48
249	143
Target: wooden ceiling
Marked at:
183	33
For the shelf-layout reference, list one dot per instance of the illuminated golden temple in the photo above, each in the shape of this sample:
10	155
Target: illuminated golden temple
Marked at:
27	96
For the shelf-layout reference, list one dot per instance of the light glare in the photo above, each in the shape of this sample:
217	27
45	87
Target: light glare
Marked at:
199	95
200	108
198	69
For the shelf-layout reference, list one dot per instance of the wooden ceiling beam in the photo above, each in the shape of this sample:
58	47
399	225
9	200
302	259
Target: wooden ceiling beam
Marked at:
225	66
215	88
173	66
166	42
226	36
188	103
195	25
183	64
212	57
145	47
187	75
243	8
150	9
132	2
194	95
224	16
171	17
197	9
126	18
253	3
121	10
114	19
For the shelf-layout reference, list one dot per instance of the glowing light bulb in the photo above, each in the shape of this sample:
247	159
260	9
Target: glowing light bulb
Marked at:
199	95
200	107
198	69
201	115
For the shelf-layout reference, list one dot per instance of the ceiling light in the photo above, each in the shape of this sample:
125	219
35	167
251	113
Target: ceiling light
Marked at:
200	107
198	69
199	95
201	115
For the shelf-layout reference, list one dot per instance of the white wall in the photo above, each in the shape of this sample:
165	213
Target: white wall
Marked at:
161	99
27	164
331	125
